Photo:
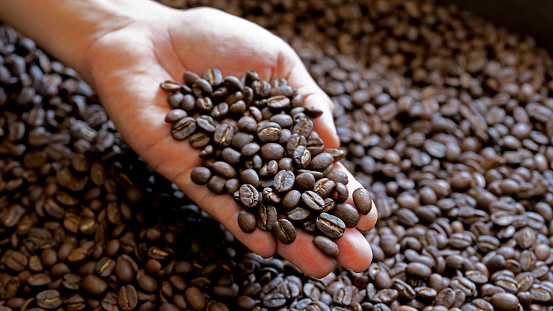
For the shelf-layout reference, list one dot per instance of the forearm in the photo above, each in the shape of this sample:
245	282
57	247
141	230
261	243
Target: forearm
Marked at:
67	28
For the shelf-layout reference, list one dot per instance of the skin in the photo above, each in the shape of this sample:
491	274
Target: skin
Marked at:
125	48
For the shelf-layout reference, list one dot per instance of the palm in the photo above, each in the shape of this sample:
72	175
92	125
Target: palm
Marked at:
129	64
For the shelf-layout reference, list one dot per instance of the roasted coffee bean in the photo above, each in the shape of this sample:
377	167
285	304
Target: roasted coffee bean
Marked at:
247	124
298	214
330	225
175	115
305	181
303	126
272	151
348	214
322	161
213	76
200	175
301	157
127	298
199	140
284	231
49	299
216	184
224	169
94	285
504	301
342	192
324	187
223	135
247	221
294	142
312	201
315	145
266	217
278	102
268	132
248	196
326	245
284	181
291	199
183	128
362	200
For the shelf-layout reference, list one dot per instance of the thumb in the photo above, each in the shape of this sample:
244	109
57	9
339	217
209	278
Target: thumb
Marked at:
314	96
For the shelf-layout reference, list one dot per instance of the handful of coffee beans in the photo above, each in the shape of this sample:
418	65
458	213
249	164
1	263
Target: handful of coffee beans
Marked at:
259	145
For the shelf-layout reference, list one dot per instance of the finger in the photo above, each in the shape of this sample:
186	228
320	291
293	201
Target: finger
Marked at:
367	222
355	252
303	254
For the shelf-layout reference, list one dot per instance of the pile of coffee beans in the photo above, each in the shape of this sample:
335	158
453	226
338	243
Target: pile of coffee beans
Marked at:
284	177
446	119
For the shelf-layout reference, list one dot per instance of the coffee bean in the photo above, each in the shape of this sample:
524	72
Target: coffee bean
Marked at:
298	214
284	181
278	102
247	221
216	184
224	169
199	140
249	196
213	76
326	245
272	151
127	298
94	285
207	123
362	200
313	201
305	181
284	231
504	301
330	225
324	187
342	192
268	132
301	157
183	128
294	142
266	217
223	135
348	214
200	175
291	199
303	126
49	299
322	161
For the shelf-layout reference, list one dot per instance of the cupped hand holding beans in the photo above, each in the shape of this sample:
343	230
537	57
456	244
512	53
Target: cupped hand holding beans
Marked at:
125	48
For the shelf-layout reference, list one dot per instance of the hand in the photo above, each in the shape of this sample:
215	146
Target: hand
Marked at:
126	66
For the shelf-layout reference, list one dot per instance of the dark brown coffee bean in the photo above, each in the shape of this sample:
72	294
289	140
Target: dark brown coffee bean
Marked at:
313	201
266	217
175	115
190	77
199	140
231	156
94	285
127	298
305	181
195	298
202	87
207	123
294	142
324	187
284	231
268	132
272	151
250	149
303	126
337	154
348	214
170	86
249	176
249	196
200	175
247	221
298	214
175	100
223	135
301	157
213	76
224	169
342	192
247	124
124	270
315	145
322	161
326	245
330	225
362	200
216	184
504	301
283	181
49	299
291	199
278	102
183	128
188	103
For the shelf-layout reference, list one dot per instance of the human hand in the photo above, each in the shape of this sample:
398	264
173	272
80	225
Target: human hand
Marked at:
126	64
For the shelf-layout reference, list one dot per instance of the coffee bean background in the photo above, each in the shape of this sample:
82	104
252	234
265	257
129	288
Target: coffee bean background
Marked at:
447	120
